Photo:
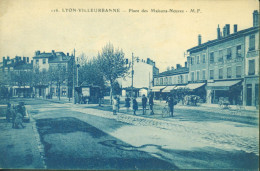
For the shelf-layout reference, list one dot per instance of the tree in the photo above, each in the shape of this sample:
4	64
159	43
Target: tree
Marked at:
89	72
112	64
58	75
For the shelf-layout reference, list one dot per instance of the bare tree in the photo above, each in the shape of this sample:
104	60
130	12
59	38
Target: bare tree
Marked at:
112	64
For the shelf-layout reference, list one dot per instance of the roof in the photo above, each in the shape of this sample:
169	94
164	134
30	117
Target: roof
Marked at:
222	39
182	70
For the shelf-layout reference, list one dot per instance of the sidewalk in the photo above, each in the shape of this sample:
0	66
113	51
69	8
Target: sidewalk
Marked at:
19	148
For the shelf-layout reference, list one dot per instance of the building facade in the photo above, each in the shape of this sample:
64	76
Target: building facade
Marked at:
228	64
143	73
16	75
58	68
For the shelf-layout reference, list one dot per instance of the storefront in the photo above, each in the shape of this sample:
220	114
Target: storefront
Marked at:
157	91
230	90
251	91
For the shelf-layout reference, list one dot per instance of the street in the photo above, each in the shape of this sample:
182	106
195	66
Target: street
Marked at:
91	137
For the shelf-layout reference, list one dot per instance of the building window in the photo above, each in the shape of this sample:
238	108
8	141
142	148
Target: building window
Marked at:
204	58
203	75
165	81
170	80
251	68
229	54
198	75
211	74
220	73
220	58
238	71
181	79
238	51
229	72
198	59
157	81
252	42
64	91
192	76
211	58
161	81
191	61
44	61
37	61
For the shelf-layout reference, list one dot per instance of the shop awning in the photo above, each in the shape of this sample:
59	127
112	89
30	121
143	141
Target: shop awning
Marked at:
21	87
157	88
222	85
194	86
180	87
168	89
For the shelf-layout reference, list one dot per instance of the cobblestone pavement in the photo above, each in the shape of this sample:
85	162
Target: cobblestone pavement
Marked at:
196	137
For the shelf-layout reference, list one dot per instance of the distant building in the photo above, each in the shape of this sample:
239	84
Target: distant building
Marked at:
16	75
168	81
142	78
54	61
229	65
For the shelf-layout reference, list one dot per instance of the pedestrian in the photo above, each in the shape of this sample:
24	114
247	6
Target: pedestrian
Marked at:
135	106
144	102
160	98
13	113
8	112
151	104
118	103
100	96
18	120
114	105
171	105
127	103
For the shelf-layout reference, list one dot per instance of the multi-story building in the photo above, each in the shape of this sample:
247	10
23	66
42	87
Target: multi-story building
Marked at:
251	81
169	80
143	73
224	62
16	75
59	66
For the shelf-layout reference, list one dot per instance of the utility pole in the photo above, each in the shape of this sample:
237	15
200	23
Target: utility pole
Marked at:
132	75
73	77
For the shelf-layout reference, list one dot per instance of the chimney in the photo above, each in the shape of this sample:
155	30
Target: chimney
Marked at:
255	18
172	68
68	54
53	52
37	52
3	61
224	31
227	29
199	39
27	60
24	59
235	28
186	65
8	58
218	32
178	66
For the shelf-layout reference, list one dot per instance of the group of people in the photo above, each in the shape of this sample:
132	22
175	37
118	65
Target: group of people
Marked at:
116	104
15	114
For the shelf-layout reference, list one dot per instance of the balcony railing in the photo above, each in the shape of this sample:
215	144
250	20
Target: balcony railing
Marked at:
252	53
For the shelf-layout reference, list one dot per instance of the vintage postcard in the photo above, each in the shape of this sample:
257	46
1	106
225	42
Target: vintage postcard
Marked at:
129	85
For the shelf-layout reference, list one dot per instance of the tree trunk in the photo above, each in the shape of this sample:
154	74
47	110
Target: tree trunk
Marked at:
59	91
111	91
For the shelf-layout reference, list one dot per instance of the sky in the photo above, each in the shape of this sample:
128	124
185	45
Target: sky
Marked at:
30	25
